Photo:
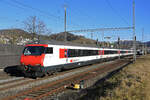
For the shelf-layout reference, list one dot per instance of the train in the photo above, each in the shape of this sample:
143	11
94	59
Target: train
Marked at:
38	60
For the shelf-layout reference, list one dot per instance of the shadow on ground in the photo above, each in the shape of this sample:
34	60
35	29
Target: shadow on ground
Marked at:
13	71
97	90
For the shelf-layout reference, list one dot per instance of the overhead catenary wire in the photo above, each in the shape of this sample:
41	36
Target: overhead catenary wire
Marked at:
71	24
103	29
40	11
21	5
35	9
25	7
116	12
13	5
83	15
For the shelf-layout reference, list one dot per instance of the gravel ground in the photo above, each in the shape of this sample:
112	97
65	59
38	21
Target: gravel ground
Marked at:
8	79
15	90
71	94
3	75
17	81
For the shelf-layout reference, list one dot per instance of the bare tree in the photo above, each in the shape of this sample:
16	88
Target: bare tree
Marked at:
35	26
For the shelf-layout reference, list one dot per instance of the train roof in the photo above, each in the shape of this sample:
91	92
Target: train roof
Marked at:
67	43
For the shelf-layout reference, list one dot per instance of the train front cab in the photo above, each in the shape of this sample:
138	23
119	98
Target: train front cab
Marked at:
32	59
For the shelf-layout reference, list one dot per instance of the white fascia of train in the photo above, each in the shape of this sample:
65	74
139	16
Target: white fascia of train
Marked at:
50	58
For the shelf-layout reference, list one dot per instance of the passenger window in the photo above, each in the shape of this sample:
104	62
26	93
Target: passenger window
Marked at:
48	50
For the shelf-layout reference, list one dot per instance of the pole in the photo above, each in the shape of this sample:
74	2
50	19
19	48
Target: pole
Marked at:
102	38
65	39
92	36
119	46
143	50
134	36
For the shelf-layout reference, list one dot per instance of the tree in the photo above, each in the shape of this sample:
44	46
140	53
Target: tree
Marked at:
35	26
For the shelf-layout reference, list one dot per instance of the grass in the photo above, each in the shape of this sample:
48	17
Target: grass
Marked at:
134	82
131	83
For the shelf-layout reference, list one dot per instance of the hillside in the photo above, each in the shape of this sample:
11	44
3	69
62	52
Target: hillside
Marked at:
14	36
72	38
61	36
21	37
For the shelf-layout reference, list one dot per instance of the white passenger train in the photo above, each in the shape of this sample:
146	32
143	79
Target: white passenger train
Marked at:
40	59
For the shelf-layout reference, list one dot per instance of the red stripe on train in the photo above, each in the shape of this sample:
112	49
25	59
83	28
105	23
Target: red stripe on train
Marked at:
118	51
100	52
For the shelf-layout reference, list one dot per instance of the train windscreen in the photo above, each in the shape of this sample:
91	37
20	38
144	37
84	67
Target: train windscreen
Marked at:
33	50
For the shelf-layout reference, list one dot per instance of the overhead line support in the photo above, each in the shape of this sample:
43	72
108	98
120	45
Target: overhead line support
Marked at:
102	29
65	37
134	35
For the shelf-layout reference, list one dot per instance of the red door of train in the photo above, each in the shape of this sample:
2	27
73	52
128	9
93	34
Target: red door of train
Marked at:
63	54
101	53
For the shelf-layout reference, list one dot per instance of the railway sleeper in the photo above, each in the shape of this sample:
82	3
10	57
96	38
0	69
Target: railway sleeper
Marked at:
34	94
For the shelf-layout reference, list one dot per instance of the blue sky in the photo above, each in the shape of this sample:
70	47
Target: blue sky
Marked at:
81	14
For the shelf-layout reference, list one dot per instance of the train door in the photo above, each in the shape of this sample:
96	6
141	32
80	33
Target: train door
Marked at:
66	55
63	55
101	53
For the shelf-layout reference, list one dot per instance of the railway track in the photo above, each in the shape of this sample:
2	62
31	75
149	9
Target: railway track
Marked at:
19	84
15	82
4	76
57	83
